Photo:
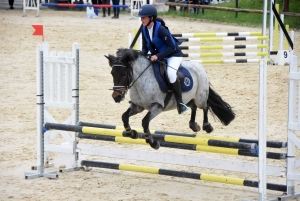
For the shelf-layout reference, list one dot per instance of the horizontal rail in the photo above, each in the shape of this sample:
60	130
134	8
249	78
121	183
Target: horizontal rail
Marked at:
224	61
214	47
175	173
193	147
271	144
210	39
179	159
221	34
161	137
228	54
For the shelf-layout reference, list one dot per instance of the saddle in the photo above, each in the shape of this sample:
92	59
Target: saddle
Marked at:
160	71
163	71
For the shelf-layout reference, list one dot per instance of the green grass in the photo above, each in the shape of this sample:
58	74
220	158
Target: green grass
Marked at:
243	19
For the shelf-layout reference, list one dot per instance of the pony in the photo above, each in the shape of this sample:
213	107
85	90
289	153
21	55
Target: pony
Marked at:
132	70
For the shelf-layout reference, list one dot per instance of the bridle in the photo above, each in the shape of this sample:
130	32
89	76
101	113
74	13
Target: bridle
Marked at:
123	89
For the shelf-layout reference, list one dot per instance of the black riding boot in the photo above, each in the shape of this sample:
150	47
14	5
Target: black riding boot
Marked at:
181	107
116	16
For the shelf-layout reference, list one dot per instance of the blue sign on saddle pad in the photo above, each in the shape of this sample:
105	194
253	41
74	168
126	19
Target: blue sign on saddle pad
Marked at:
187	85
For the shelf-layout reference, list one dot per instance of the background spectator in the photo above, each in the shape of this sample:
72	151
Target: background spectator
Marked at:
11	4
116	9
107	2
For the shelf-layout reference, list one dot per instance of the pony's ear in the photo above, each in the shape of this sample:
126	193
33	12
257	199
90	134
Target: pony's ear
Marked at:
110	59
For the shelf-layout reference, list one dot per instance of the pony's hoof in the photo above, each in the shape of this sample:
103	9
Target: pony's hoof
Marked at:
125	134
155	144
134	134
194	126
208	128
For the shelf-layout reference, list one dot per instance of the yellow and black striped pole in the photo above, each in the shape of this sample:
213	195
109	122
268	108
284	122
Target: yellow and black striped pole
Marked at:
175	173
221	150
160	137
271	144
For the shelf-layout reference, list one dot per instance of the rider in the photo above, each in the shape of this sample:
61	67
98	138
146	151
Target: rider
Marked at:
158	40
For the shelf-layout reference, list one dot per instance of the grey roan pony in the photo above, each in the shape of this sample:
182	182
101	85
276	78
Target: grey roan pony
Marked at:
131	70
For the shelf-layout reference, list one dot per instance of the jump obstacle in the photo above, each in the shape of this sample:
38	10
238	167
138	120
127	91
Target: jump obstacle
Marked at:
171	141
271	144
249	57
57	88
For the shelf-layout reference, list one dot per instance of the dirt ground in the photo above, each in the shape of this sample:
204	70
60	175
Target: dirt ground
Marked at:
236	83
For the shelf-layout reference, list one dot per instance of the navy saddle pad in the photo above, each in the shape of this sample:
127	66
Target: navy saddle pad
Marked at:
187	84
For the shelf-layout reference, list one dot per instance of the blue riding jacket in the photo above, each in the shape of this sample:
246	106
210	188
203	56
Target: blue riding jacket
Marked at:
162	45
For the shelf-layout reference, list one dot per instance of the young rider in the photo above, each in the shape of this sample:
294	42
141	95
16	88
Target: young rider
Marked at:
158	40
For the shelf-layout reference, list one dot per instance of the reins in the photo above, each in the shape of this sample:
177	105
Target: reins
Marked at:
139	75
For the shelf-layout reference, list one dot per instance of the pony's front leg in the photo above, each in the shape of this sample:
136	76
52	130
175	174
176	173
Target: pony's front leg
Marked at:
193	124
153	112
132	110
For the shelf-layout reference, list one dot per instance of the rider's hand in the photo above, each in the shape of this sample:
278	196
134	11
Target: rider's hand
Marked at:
154	58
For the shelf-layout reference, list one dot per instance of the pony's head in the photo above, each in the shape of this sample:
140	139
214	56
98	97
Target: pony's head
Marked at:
121	71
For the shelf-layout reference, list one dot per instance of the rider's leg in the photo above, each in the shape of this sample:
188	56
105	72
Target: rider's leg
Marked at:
173	65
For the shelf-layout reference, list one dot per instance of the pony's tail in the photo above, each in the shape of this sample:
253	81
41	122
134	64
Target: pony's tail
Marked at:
218	107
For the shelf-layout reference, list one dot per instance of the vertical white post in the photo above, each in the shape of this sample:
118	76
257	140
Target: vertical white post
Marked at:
40	121
46	71
52	78
75	96
262	161
291	119
60	81
129	39
40	110
262	129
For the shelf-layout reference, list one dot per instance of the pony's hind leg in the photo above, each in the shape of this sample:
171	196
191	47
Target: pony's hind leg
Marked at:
193	124
132	110
153	112
206	125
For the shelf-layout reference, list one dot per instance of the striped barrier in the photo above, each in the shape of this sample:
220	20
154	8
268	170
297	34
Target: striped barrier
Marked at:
227	61
229	54
221	34
223	39
192	147
271	144
183	174
214	47
84	5
161	137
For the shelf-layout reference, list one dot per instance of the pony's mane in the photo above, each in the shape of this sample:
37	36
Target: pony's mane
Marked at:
128	55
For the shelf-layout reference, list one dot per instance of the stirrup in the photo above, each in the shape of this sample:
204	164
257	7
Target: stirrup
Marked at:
179	106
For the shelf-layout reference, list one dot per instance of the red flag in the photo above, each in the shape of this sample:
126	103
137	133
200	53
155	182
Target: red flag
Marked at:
39	30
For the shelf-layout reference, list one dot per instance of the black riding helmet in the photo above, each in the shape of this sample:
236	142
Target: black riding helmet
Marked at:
147	11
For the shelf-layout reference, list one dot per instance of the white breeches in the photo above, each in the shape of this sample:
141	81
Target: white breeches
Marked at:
173	65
